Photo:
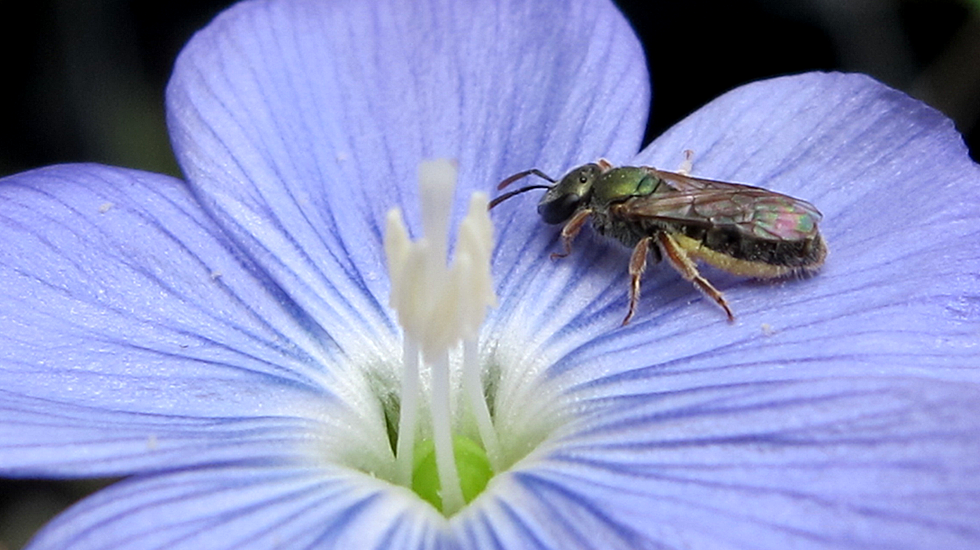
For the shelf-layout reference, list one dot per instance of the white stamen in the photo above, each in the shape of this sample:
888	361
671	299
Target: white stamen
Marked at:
473	388
407	418
437	308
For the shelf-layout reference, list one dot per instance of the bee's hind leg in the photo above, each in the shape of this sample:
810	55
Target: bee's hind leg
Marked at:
684	265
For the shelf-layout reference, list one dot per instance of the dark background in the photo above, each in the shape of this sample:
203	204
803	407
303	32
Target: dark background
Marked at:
84	81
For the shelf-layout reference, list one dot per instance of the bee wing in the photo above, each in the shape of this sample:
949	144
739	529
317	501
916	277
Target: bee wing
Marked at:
753	211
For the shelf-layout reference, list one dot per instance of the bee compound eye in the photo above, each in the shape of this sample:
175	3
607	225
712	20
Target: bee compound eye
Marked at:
559	209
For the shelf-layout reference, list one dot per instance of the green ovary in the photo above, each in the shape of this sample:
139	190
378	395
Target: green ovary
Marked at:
471	461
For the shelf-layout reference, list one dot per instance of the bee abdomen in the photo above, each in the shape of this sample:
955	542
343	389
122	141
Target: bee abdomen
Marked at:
801	253
751	257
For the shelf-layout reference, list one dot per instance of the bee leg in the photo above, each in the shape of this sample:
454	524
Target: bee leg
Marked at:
570	231
688	164
685	266
638	264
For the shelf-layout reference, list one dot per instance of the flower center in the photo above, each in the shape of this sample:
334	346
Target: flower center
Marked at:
440	307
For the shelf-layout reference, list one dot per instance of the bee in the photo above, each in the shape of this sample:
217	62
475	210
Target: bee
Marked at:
744	230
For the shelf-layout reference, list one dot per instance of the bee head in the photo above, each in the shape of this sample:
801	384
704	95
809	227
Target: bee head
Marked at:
565	197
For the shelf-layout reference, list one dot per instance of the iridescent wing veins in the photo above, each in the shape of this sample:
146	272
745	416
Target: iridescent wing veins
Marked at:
752	211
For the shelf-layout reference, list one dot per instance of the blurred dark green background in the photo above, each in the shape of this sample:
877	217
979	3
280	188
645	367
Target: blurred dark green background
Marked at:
84	82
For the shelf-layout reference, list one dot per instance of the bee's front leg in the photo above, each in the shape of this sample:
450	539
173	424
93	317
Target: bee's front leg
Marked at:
571	230
684	265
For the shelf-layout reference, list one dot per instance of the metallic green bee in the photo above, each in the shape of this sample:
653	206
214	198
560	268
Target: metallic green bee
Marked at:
744	230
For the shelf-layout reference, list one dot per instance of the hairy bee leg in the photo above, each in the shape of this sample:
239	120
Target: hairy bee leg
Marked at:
686	267
570	231
638	264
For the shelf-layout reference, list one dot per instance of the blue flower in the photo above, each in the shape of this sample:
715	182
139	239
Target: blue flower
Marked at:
226	342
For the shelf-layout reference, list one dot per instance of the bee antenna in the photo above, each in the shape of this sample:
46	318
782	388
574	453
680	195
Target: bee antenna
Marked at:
510	194
525	174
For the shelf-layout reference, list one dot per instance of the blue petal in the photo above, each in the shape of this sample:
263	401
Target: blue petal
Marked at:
47	438
301	123
855	463
838	412
131	327
247	507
